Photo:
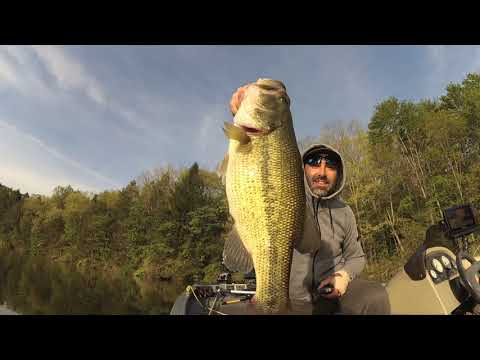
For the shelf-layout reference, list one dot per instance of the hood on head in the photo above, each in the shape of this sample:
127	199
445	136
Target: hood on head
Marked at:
341	171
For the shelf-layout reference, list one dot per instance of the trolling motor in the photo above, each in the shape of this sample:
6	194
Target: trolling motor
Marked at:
459	222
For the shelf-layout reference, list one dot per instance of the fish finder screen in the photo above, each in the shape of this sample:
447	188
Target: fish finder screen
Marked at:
459	218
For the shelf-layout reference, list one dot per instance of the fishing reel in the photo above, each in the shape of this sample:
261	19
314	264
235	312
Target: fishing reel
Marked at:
224	278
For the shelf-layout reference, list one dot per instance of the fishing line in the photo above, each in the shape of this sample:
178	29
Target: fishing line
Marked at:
192	290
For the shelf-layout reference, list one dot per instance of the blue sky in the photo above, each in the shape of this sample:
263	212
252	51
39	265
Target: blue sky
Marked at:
96	117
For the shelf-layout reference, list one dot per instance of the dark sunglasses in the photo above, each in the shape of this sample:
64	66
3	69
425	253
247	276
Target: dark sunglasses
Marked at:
316	159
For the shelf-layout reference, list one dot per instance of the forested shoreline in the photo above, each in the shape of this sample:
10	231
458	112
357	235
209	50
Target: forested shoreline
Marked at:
169	227
415	159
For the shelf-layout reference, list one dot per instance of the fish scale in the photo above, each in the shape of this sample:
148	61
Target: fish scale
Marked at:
266	197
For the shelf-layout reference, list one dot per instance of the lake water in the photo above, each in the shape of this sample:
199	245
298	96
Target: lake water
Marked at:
32	286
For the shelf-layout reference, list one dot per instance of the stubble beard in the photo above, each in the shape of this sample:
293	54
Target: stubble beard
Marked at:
321	192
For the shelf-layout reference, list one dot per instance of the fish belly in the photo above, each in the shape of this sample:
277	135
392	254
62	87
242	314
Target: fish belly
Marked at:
267	201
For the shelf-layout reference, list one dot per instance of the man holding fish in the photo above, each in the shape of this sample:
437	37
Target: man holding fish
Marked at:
321	255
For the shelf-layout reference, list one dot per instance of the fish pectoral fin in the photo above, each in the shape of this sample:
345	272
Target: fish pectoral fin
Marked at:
235	133
235	255
222	168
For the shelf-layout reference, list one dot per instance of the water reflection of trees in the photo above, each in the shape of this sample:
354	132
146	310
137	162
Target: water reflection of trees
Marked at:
31	285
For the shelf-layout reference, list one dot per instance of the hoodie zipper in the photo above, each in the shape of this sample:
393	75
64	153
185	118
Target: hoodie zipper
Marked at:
318	226
315	214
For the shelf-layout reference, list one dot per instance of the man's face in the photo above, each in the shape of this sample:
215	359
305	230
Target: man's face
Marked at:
321	173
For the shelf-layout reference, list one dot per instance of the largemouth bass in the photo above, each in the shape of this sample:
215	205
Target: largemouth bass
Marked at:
265	191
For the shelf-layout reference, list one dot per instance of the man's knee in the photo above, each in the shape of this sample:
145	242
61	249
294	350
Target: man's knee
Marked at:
377	302
366	298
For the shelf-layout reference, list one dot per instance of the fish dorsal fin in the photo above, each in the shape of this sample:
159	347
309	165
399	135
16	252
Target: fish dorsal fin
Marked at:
235	133
222	168
235	255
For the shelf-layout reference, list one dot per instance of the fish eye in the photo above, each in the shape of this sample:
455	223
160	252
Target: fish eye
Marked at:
284	99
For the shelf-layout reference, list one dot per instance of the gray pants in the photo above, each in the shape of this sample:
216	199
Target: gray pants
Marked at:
363	297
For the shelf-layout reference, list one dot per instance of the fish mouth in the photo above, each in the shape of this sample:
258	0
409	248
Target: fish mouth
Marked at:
252	130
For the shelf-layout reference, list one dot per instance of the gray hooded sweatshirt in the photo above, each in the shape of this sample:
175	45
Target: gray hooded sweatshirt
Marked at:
330	240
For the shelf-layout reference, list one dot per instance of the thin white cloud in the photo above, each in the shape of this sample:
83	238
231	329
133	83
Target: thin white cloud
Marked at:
7	72
19	71
69	73
23	178
52	74
34	166
22	67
